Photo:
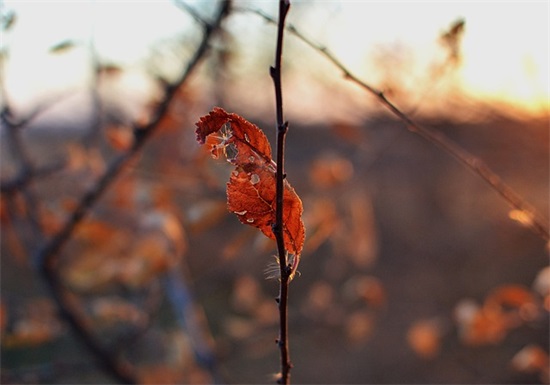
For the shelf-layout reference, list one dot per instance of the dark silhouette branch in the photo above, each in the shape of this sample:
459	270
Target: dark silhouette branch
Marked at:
25	173
48	255
20	181
285	269
537	223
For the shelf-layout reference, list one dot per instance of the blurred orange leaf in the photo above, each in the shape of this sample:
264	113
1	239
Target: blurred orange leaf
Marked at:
510	295
331	170
368	289
94	270
251	188
524	217
320	299
150	256
424	337
532	359
159	374
246	294
51	220
515	298
359	327
112	310
121	138
482	325
322	220
96	231
37	324
204	214
357	237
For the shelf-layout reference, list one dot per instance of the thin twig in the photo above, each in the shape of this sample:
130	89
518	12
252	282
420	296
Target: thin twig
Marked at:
47	256
20	181
8	118
282	128
537	223
26	170
192	12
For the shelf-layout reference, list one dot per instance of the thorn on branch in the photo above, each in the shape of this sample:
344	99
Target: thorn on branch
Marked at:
288	269
283	128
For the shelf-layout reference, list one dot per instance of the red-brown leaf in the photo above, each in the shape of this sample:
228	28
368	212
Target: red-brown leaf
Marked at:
241	141
251	196
251	188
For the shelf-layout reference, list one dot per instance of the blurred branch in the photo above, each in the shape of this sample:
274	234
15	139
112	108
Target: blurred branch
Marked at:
26	170
8	118
20	181
537	223
192	12
189	319
285	269
46	256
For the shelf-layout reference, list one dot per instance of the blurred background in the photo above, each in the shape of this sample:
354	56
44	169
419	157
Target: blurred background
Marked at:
414	270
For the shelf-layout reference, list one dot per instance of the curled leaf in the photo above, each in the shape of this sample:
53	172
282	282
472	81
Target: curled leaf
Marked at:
239	140
251	190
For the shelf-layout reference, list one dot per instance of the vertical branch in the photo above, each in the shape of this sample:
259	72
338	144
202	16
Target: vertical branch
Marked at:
285	270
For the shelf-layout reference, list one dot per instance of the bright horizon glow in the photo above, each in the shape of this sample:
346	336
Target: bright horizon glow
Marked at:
505	45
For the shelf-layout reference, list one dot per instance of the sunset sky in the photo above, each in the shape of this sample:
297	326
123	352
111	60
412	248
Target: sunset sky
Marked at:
504	46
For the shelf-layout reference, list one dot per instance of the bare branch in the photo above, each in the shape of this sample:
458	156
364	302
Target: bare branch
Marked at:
20	181
282	128
47	256
538	224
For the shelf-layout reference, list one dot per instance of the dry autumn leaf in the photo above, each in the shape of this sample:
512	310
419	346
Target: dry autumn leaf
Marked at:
424	337
251	188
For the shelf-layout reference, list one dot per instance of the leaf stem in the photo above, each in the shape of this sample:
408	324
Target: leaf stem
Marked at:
285	270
